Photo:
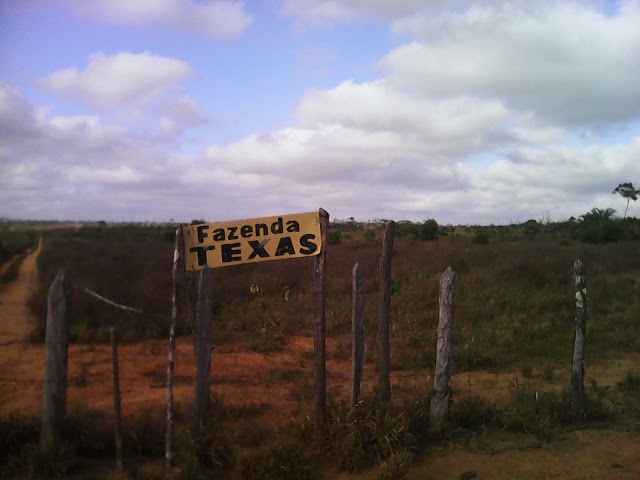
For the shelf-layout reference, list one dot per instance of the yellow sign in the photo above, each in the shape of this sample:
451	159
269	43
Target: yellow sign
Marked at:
256	240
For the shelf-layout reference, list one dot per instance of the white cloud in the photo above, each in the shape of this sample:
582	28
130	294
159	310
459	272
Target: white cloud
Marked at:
178	115
211	19
78	167
319	11
326	11
485	115
119	79
560	62
70	166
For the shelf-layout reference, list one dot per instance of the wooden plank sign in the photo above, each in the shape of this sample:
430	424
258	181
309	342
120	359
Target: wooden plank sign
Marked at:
255	240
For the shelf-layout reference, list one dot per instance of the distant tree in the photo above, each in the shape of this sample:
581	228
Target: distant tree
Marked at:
599	226
428	230
196	221
531	228
627	190
598	216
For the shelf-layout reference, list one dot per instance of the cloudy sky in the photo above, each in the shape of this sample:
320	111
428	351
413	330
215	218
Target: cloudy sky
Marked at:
466	112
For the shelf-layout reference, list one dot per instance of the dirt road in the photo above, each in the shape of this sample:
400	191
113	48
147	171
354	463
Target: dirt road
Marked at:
16	320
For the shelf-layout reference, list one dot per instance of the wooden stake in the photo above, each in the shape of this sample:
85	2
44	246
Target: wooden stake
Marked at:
192	301
441	395
320	329
357	331
384	384
116	398
54	397
577	365
202	396
172	347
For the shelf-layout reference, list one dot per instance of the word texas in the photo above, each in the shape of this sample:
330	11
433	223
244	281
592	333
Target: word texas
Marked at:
246	241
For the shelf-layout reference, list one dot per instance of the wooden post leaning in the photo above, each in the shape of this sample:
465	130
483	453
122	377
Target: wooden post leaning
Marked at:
54	397
203	345
384	383
357	331
577	364
320	329
441	394
178	246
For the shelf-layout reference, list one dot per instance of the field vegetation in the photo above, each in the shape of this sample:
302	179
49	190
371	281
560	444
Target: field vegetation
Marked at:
14	244
514	312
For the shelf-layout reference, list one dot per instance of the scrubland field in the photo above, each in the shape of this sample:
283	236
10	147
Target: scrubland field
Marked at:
513	342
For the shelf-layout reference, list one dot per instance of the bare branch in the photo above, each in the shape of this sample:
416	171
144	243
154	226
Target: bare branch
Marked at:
113	304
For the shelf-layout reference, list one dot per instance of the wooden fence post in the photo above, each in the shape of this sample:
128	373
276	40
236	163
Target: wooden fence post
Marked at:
168	444
577	365
441	395
384	384
192	301
320	329
54	397
116	397
357	331
202	333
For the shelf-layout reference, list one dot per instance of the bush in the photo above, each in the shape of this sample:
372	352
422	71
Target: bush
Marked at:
481	237
396	467
212	449
368	434
285	459
15	242
607	232
369	235
472	412
531	228
334	237
630	383
428	230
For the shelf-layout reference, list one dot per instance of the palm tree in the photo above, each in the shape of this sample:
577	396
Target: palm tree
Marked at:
628	191
598	216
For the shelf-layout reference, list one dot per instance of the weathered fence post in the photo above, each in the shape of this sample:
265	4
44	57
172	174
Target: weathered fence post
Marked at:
384	384
54	397
172	347
577	365
202	333
357	331
320	329
192	301
116	398
441	395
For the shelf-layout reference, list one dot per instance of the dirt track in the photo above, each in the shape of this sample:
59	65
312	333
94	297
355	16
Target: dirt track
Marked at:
280	383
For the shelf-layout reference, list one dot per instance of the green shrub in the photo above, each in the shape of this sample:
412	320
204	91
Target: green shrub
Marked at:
14	241
213	449
417	412
531	228
334	237
472	412
481	237
607	232
286	458
369	235
544	412
396	467
11	273
630	383
428	230
368	434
